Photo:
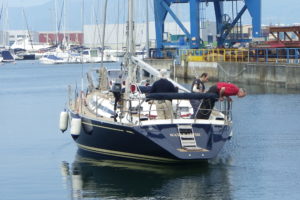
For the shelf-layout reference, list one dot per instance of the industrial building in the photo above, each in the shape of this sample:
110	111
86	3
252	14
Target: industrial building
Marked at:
4	38
115	35
71	37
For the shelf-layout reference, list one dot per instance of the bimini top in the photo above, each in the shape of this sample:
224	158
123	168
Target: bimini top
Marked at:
170	96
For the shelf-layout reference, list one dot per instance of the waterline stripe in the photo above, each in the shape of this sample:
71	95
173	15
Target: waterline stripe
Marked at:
125	154
114	129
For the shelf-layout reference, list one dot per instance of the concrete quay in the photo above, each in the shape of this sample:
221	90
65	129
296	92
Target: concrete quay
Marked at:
268	74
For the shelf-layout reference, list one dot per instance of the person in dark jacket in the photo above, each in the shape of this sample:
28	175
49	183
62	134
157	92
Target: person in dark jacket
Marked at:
163	85
198	87
221	89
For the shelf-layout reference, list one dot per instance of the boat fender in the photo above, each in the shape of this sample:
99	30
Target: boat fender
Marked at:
63	121
75	126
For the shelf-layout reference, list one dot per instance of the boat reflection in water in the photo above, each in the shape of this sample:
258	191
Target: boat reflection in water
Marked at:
88	178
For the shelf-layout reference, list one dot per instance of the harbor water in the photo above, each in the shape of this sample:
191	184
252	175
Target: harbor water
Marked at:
38	162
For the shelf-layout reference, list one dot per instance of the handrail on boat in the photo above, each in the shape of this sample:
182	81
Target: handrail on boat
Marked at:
137	111
223	107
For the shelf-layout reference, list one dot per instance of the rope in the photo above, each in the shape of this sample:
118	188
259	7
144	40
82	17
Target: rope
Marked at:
229	75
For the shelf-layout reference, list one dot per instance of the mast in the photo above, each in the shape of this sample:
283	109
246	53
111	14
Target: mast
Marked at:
65	27
130	28
103	31
29	35
103	38
147	27
130	47
118	24
1	18
64	41
56	22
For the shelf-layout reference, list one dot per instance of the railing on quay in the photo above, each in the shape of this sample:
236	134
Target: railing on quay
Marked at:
267	55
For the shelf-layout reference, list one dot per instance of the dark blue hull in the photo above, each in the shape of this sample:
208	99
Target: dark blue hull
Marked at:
152	143
29	57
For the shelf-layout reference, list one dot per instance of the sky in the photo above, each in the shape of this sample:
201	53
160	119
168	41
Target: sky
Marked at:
41	15
25	3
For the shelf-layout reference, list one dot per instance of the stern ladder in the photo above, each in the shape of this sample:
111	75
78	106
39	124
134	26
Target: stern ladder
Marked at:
187	137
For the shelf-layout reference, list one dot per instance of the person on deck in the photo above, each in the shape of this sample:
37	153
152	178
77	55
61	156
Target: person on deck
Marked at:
198	87
163	107
221	89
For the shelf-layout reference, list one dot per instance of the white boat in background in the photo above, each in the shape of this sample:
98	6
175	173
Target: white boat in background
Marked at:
115	52
28	45
51	59
95	56
141	54
26	48
87	56
60	58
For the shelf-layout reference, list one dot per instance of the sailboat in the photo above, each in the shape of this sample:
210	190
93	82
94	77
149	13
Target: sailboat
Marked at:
120	122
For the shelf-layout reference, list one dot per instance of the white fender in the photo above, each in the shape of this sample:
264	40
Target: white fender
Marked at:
75	126
63	121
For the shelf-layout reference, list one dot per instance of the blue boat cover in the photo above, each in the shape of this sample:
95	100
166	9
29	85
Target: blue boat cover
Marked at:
7	55
170	96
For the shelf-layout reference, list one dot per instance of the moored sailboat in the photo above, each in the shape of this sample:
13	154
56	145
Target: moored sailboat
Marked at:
121	121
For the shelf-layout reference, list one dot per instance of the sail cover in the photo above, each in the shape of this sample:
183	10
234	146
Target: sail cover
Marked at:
170	96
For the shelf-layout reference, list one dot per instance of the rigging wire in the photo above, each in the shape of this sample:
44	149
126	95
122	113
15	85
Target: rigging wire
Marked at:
82	26
118	23
61	16
1	12
27	26
124	42
3	25
97	32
